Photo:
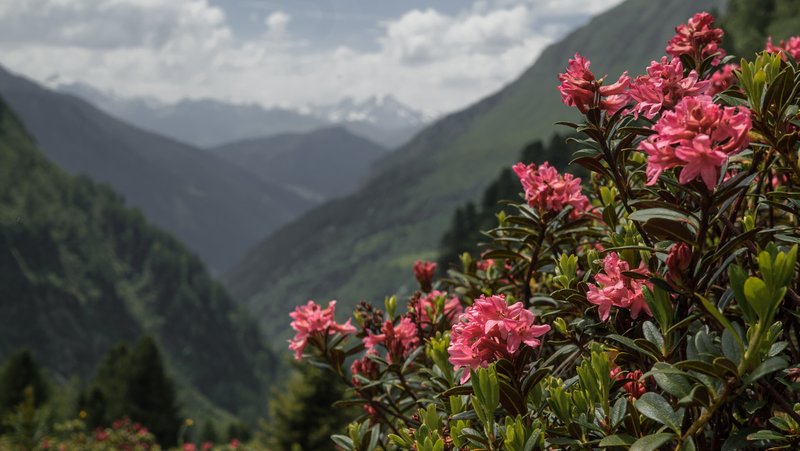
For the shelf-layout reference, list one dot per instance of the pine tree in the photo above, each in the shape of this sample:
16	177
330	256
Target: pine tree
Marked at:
149	394
301	416
19	373
105	401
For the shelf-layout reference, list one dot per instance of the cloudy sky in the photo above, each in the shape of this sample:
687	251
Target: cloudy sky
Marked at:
436	56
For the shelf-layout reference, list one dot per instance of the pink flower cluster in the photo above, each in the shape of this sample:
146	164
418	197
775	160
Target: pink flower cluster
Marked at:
398	340
697	38
580	88
426	307
663	86
490	330
697	136
311	320
423	272
548	190
364	367
616	289
790	47
634	386
722	79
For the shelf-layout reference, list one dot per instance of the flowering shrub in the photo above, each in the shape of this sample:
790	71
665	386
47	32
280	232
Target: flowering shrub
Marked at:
655	306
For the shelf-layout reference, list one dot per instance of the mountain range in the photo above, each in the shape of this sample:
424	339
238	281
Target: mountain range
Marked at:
363	246
211	123
325	163
82	272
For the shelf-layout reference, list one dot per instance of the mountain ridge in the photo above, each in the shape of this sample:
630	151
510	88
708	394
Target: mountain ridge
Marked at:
324	163
214	206
362	246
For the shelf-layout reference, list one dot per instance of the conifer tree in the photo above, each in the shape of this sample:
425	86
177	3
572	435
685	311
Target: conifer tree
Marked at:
149	394
19	373
301	416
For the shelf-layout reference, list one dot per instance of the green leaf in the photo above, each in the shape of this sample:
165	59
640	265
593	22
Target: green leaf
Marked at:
714	311
652	442
343	441
768	366
730	346
758	296
617	440
766	434
652	335
654	406
671	380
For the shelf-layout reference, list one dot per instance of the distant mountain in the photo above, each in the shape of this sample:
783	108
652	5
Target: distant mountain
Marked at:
81	272
202	123
210	123
324	164
363	246
218	209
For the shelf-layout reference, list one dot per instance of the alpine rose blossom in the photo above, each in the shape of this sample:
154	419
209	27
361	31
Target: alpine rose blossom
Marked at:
698	136
722	79
663	86
580	88
426	307
398	340
548	190
698	39
490	330
790	47
634	386
311	319
423	272
618	290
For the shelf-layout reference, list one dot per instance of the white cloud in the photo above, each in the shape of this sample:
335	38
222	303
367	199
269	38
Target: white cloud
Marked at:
171	49
276	23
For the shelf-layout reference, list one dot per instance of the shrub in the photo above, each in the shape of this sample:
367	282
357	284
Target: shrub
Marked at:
654	306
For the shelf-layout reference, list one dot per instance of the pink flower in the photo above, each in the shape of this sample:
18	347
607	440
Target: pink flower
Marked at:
423	271
634	386
618	290
207	446
698	136
310	321
792	47
548	190
698	39
663	86
678	260
426	307
722	79
364	367
580	89
398	340
485	264
189	447
235	443
490	330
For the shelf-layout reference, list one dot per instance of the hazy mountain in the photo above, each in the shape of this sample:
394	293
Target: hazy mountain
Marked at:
363	246
202	123
81	272
218	209
324	164
210	123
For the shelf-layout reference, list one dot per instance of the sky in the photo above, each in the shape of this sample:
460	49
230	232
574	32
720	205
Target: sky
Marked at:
435	56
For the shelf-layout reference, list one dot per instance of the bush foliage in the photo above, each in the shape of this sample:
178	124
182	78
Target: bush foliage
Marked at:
654	306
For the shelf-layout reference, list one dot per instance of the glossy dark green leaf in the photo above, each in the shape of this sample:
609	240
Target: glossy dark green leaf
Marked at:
654	406
652	442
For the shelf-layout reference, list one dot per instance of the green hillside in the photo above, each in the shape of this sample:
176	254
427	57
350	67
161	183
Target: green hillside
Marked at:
215	207
81	272
325	163
362	247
